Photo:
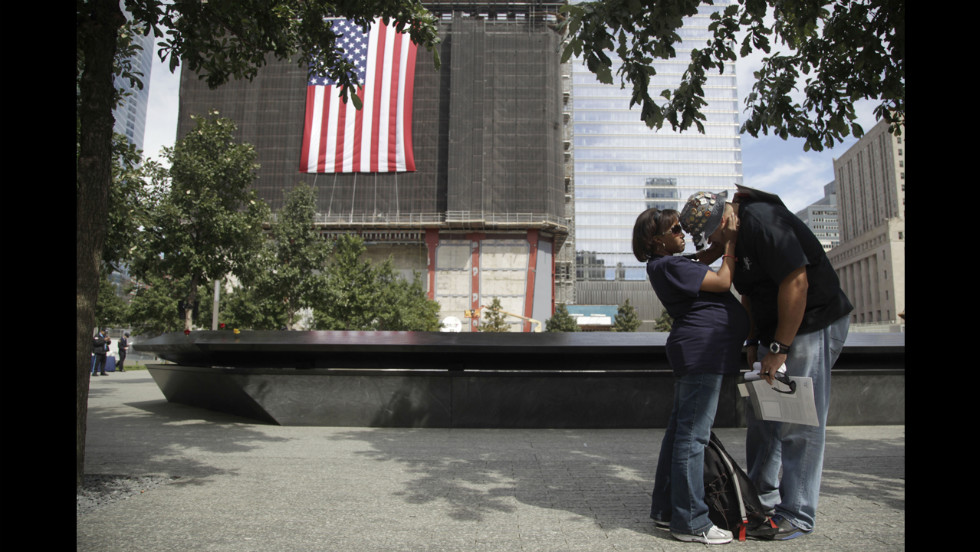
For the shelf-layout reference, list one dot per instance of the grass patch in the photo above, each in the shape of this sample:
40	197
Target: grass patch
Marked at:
134	366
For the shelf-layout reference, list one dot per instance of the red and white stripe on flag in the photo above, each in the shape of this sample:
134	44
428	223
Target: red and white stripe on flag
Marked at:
337	138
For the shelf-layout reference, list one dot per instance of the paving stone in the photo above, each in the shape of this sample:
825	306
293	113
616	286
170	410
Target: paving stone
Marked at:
231	484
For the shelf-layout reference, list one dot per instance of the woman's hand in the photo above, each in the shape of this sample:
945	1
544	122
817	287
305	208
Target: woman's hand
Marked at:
729	228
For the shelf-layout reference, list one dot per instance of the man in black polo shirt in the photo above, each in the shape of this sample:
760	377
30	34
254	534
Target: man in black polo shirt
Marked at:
799	318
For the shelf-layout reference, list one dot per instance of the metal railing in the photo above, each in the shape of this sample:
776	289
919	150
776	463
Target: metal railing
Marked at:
449	217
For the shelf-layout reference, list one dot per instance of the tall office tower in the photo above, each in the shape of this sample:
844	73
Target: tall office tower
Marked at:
483	214
870	259
130	114
622	167
821	217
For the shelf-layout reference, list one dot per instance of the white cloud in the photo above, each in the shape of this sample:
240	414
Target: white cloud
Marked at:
798	180
783	168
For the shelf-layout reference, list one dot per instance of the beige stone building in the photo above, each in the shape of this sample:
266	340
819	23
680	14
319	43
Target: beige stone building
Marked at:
870	259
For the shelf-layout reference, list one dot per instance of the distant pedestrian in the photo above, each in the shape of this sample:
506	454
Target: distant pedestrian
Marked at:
123	349
100	346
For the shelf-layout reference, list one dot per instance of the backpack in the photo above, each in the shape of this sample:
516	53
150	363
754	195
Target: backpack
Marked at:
733	502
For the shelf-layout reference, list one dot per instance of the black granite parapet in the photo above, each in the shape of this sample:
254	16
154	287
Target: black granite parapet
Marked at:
412	350
434	379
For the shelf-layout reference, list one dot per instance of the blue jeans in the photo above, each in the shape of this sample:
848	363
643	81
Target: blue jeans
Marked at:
678	491
796	449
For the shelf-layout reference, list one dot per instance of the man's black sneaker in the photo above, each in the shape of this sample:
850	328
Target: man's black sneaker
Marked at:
786	529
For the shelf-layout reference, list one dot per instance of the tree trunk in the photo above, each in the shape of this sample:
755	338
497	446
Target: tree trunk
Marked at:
98	24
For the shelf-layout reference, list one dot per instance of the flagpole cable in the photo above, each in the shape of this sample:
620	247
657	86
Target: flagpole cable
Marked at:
333	188
353	194
316	194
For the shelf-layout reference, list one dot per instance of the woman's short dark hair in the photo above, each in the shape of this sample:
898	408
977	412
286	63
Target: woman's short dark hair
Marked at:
651	223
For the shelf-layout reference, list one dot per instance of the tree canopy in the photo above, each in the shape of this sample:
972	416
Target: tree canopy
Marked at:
209	224
842	51
224	39
561	321
285	277
627	319
136	183
357	294
154	307
492	319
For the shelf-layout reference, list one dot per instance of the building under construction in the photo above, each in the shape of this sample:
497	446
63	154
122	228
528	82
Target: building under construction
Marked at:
488	211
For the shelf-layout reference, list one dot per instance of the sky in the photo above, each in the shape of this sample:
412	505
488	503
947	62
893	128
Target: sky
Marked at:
768	162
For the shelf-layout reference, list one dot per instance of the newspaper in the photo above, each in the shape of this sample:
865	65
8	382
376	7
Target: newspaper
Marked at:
776	404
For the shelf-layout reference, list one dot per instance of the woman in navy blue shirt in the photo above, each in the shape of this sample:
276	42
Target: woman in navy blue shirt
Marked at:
708	330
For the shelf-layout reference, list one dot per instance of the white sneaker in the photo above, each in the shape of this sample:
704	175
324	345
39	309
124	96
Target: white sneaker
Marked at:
714	535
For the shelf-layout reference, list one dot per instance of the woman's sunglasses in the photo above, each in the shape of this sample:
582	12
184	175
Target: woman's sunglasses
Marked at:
675	229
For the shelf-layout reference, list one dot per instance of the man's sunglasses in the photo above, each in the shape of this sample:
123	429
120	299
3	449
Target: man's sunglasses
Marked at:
781	377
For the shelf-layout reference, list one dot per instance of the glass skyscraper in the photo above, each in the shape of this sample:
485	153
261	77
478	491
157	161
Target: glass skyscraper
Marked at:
622	167
130	114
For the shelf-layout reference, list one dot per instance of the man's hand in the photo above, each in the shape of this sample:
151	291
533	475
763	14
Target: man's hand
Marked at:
770	365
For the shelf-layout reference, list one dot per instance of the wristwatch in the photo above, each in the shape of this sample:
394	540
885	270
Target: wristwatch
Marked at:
778	348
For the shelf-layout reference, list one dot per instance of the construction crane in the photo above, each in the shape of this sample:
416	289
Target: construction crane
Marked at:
476	314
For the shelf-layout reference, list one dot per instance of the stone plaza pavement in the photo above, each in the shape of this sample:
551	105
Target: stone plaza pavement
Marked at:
233	484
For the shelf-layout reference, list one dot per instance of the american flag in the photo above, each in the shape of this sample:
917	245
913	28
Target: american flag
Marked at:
377	138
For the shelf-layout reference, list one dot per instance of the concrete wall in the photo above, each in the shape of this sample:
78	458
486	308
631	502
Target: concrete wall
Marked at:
471	271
